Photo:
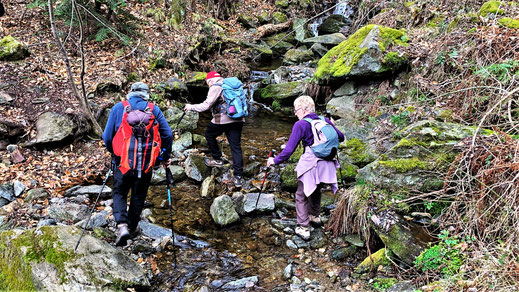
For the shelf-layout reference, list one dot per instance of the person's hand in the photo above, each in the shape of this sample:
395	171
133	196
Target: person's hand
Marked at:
270	161
167	162
188	107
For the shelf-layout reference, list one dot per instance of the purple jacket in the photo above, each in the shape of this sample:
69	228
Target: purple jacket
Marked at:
302	131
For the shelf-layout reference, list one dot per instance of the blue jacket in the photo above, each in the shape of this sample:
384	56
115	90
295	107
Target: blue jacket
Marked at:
116	117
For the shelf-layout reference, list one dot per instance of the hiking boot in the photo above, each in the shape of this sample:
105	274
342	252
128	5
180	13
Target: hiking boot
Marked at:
213	162
303	232
122	234
136	232
316	221
237	181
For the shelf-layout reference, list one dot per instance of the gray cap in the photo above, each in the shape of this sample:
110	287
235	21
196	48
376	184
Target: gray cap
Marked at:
139	89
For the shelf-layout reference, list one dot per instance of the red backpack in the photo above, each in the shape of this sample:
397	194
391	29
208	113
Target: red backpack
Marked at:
137	141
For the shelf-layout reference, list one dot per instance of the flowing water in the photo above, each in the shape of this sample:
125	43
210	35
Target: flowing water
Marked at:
249	247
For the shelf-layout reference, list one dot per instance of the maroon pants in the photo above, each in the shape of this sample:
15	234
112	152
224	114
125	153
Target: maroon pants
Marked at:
306	206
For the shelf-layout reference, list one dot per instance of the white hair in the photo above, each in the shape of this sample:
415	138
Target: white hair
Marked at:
305	102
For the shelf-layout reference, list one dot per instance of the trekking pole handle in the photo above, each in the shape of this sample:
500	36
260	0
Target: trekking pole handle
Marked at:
169	175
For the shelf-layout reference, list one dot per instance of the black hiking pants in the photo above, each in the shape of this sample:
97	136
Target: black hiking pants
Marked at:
233	133
122	185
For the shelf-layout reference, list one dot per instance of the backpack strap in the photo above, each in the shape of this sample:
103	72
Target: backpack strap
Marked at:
127	106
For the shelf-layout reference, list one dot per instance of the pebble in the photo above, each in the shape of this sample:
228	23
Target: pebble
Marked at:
291	244
288	271
295	280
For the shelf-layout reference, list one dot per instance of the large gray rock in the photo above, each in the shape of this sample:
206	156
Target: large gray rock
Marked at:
328	39
300	29
45	260
154	231
18	188
297	56
53	127
195	168
284	93
420	159
343	107
65	212
182	143
189	121
223	212
12	50
159	175
348	88
96	220
5	98
91	190
7	192
246	203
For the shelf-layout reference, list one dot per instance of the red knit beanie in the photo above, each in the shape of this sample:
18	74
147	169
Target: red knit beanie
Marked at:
212	74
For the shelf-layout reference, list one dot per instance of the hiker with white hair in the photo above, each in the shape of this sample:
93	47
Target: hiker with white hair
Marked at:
317	166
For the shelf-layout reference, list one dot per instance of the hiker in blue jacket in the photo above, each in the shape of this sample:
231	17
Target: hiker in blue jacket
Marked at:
128	219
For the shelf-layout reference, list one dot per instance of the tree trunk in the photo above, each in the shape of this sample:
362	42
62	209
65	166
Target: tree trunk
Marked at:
81	98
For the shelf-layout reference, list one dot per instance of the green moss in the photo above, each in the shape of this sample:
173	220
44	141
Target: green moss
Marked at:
405	165
276	106
197	77
294	158
491	7
15	273
282	3
279	17
132	77
280	92
382	284
410	142
12	50
392	61
435	21
371	263
509	22
339	61
289	176
357	151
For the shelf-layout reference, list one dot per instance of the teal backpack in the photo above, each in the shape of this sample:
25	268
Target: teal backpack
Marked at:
234	97
326	140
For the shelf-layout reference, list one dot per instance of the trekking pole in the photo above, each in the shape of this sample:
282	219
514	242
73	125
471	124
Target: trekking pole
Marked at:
262	183
179	120
93	207
170	181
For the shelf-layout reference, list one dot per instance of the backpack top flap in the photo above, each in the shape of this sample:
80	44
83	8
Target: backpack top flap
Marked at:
325	138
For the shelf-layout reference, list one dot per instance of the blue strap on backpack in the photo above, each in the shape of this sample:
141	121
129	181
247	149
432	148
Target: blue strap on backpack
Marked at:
234	97
326	140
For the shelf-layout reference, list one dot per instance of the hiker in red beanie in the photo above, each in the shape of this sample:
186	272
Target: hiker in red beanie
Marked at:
221	123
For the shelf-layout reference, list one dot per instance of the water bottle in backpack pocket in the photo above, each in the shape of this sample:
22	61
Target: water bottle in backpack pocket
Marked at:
235	105
137	141
326	140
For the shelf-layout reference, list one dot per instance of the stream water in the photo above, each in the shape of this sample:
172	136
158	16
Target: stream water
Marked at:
237	251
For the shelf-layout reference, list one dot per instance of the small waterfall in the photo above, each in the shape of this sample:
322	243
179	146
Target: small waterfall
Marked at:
258	75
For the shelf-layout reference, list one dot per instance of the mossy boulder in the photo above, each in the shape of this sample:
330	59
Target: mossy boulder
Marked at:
247	21
367	52
196	79
396	235
44	259
492	7
343	107
284	93
280	43
175	89
509	22
282	3
262	50
419	160
12	50
189	121
297	56
157	61
374	261
289	177
54	127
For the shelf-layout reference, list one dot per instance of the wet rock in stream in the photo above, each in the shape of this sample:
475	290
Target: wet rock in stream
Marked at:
248	203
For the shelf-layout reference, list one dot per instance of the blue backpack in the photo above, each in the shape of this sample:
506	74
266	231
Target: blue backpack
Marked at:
326	140
234	97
